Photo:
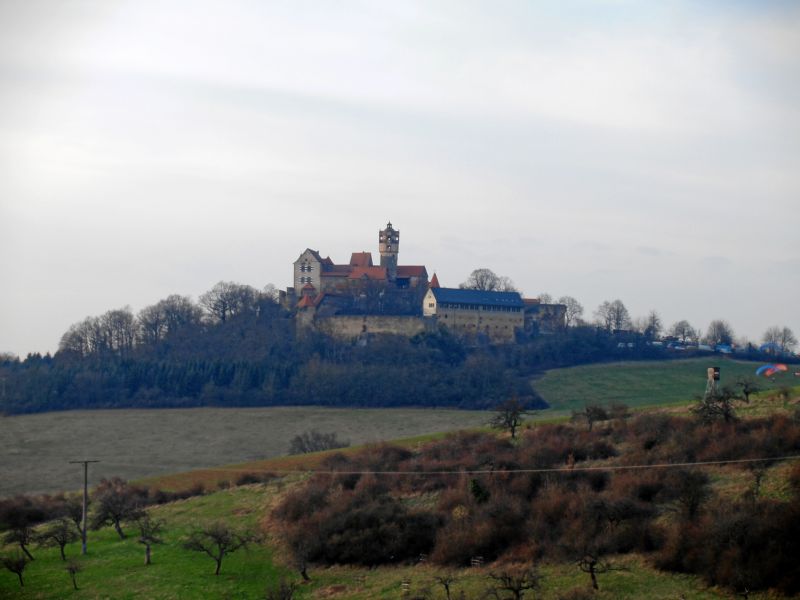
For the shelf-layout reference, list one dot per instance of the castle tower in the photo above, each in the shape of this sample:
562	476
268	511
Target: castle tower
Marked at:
389	246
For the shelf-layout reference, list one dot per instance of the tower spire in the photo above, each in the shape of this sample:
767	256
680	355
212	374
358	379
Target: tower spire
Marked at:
389	248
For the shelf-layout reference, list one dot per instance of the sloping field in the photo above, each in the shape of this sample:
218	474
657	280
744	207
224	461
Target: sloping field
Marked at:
132	444
114	568
644	383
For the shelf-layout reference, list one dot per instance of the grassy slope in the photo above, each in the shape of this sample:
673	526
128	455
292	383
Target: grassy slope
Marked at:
114	568
644	383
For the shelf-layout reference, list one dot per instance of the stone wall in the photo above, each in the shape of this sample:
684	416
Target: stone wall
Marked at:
545	318
353	326
498	326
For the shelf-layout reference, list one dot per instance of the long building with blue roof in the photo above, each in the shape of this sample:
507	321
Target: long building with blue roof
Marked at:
496	315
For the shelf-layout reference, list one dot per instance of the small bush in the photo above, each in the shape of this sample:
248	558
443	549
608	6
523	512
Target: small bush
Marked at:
315	441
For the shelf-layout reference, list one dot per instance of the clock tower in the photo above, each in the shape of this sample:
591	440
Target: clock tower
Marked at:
389	246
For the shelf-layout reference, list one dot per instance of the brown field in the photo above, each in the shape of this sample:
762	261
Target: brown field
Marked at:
35	450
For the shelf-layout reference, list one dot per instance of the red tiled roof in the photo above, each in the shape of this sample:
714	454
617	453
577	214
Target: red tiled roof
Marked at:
305	302
376	273
361	259
412	271
434	282
530	301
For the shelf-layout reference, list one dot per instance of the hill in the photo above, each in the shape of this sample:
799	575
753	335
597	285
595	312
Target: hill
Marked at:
507	517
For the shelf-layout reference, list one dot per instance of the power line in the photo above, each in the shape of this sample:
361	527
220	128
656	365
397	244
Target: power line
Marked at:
569	469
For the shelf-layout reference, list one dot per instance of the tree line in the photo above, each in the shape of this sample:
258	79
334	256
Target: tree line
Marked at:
238	346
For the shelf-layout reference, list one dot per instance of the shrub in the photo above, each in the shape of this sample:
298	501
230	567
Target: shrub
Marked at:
379	532
314	441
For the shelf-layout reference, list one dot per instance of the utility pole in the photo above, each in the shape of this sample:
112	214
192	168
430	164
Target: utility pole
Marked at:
85	464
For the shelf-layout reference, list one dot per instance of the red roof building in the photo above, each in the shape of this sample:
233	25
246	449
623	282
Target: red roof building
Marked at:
323	276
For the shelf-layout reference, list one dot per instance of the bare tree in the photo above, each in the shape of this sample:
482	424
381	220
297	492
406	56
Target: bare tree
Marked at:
167	316
114	332
72	509
115	501
16	563
574	310
314	441
592	413
782	338
446	581
216	540
179	312
227	299
593	563
59	533
683	331
653	326
515	581
75	340
487	280
508	416
715	406
747	387
73	568
23	535
152	324
787	339
271	292
719	332
300	545
613	315
149	530
691	491
545	298
119	330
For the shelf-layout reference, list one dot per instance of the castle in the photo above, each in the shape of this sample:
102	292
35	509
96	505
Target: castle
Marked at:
359	298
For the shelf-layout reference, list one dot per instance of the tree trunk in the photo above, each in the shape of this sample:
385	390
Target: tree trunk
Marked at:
147	554
303	573
593	575
119	530
21	583
219	563
74	582
25	550
63	556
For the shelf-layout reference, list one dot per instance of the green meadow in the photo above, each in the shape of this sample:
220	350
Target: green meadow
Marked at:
646	383
115	568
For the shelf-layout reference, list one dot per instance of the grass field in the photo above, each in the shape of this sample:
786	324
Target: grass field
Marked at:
644	383
132	444
135	444
114	568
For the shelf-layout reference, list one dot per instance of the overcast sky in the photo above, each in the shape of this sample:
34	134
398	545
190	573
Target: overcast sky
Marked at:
647	151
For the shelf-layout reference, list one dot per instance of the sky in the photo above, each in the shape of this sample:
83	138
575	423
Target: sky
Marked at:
646	151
